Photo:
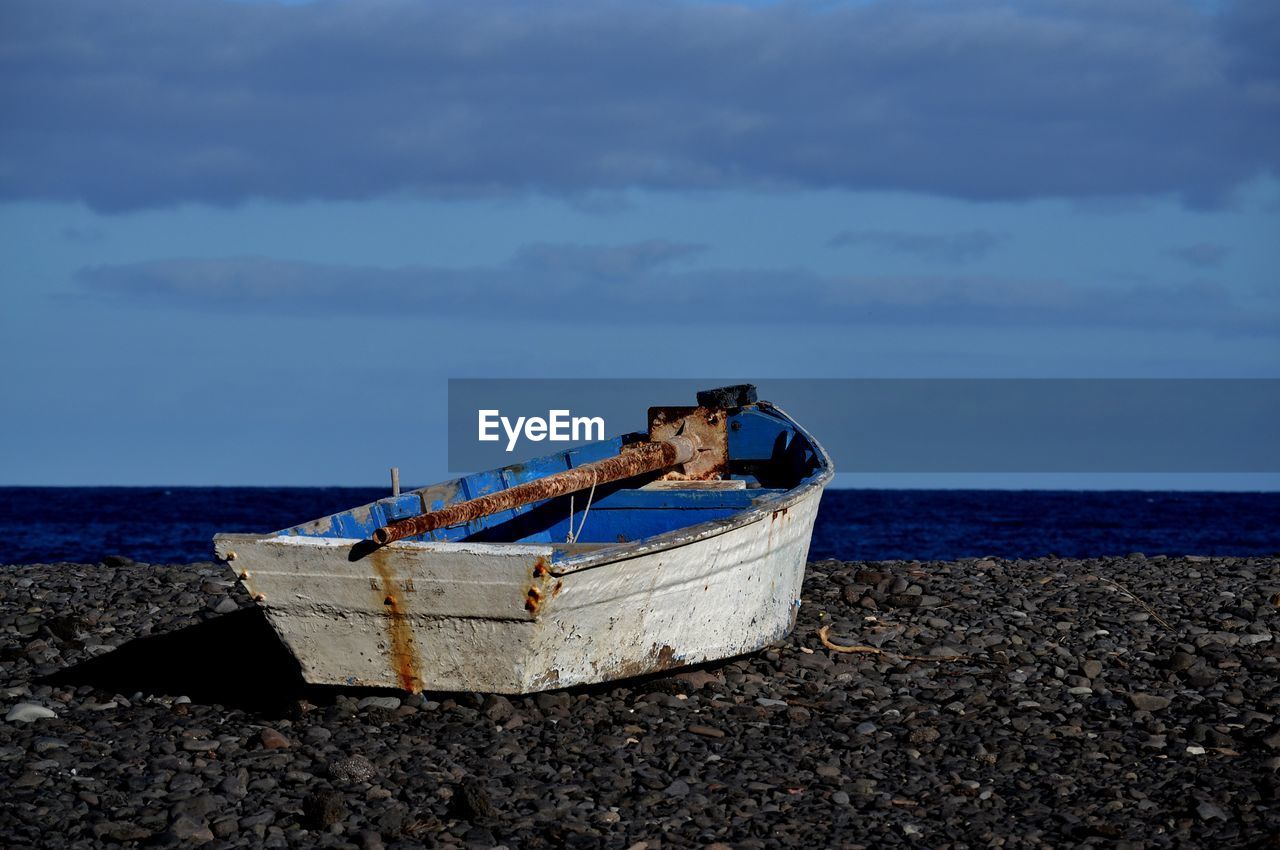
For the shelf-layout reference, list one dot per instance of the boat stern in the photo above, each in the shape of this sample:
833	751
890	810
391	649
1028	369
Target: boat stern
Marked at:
443	616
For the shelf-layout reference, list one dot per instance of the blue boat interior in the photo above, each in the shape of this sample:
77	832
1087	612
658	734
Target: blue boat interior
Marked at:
766	452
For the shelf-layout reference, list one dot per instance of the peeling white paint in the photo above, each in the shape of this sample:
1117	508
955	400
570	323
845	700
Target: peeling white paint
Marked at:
701	594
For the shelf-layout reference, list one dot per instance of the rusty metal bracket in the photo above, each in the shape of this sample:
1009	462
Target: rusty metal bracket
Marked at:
706	427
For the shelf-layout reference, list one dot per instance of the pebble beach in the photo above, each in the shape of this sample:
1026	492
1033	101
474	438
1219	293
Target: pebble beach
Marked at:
1116	702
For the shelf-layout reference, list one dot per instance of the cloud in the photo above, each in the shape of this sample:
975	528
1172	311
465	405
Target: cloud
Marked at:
1203	255
610	261
952	248
147	103
72	233
643	284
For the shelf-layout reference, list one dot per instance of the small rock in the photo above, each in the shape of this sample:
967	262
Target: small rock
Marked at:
67	628
44	745
323	808
198	807
1201	677
472	802
919	735
699	679
864	787
27	712
317	735
226	606
1149	702
273	739
865	728
706	731
498	708
388	703
354	768
196	745
799	715
1209	811
190	831
1092	668
235	785
120	831
258	823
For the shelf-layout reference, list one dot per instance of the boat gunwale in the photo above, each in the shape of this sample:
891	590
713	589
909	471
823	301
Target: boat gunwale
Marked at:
616	552
711	528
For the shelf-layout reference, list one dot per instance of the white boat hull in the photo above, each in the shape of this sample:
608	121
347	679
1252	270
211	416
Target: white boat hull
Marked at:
505	618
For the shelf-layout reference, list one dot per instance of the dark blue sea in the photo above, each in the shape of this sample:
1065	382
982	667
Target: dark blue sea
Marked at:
175	524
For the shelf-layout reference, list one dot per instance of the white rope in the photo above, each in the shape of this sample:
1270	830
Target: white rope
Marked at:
573	536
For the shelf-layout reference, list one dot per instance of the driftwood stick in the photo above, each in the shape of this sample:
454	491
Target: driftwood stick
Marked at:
1129	593
824	632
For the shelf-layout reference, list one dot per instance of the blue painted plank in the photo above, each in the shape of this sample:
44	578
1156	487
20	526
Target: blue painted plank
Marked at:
401	507
627	526
680	499
539	467
594	451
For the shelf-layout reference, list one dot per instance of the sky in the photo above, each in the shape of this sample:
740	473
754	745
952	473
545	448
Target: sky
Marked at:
248	242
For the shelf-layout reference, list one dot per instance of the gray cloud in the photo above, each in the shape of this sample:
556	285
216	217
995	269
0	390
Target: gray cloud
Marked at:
145	103
72	233
1202	255
608	261
948	247
636	285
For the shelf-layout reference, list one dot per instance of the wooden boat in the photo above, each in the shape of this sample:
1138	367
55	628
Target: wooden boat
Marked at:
578	579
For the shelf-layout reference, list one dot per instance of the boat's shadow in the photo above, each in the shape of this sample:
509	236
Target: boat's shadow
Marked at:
237	661
234	660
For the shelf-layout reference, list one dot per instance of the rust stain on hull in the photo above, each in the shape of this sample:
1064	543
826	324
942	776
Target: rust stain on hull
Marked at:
537	589
657	659
402	646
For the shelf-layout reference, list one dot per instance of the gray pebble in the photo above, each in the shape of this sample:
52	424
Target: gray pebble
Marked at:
29	712
354	768
388	703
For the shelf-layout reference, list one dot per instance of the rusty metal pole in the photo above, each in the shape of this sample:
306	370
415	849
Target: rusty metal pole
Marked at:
634	460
